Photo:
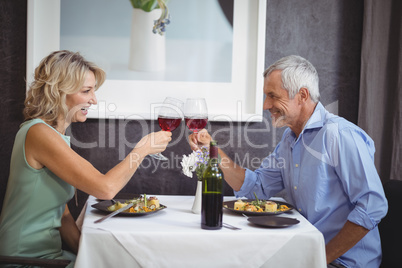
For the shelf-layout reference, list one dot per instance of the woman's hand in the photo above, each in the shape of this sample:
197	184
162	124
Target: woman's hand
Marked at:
197	140
155	142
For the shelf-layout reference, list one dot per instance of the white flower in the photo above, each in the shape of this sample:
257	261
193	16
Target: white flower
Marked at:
188	164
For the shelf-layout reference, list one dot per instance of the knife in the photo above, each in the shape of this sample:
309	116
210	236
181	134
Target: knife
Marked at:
114	213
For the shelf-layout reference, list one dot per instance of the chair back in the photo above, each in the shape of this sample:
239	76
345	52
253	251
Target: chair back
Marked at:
391	225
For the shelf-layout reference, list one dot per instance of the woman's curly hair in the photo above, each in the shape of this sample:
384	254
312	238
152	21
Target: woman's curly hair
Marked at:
61	73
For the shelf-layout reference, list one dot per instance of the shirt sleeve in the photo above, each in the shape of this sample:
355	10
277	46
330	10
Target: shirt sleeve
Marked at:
265	181
359	177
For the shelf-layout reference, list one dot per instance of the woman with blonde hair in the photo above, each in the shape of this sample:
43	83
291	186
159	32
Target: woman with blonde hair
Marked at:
44	169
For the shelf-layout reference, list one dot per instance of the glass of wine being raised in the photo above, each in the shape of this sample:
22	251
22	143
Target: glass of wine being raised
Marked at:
169	118
196	114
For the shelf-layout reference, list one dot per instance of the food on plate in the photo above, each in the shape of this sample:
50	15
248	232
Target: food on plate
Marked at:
250	207
239	205
141	205
271	206
153	201
260	206
116	206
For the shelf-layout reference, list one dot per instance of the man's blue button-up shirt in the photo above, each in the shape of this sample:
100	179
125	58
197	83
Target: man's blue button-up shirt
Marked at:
329	176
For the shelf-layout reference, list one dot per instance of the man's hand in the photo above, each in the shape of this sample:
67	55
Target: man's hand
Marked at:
197	140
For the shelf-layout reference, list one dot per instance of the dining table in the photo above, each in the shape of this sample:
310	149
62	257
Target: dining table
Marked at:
173	237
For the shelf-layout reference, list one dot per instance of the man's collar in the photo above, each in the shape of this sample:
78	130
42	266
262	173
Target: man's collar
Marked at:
317	118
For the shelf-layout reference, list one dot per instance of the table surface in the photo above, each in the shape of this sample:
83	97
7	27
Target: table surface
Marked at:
173	237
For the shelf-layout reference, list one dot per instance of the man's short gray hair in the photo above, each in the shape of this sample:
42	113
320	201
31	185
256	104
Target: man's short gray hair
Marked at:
297	72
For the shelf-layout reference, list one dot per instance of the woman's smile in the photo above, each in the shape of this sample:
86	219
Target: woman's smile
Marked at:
80	102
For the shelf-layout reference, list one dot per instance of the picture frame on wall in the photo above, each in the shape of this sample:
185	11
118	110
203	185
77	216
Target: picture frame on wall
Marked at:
233	88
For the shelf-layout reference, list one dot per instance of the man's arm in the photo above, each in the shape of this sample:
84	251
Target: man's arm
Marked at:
347	237
353	152
234	174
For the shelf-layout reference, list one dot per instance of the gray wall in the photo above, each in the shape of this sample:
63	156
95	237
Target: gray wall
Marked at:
326	32
12	85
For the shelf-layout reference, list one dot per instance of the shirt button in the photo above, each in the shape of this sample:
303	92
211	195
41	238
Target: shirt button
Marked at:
297	165
295	187
300	209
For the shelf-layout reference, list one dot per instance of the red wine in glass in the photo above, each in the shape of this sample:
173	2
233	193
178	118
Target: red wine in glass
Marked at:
196	114
169	118
196	124
168	123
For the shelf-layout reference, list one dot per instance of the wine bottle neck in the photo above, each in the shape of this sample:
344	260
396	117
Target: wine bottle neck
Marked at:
214	161
213	152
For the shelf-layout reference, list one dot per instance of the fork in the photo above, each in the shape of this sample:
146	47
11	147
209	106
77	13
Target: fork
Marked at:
231	227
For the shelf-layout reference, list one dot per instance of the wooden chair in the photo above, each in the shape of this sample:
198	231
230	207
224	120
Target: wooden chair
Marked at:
390	226
34	261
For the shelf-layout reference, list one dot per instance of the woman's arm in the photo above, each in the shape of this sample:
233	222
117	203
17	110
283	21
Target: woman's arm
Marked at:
44	147
69	231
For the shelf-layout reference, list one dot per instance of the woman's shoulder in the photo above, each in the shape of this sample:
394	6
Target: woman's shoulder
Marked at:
27	125
38	125
41	130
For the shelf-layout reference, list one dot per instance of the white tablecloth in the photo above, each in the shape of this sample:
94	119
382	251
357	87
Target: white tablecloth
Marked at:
173	238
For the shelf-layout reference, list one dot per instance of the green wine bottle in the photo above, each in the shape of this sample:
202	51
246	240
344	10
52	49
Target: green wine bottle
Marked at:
212	192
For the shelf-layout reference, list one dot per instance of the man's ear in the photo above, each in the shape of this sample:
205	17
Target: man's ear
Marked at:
304	95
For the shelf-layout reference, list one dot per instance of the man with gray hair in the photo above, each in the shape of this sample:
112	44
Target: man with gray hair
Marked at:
323	162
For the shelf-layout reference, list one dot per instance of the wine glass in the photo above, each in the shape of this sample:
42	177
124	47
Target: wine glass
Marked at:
196	114
169	118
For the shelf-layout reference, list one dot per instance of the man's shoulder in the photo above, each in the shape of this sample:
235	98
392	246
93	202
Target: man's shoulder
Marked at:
340	126
341	123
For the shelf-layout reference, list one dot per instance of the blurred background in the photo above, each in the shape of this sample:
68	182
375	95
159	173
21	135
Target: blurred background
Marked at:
327	33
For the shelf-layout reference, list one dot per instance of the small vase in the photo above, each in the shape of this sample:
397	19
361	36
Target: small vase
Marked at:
197	199
147	50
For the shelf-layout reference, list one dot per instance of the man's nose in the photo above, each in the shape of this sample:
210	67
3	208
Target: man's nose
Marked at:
267	103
